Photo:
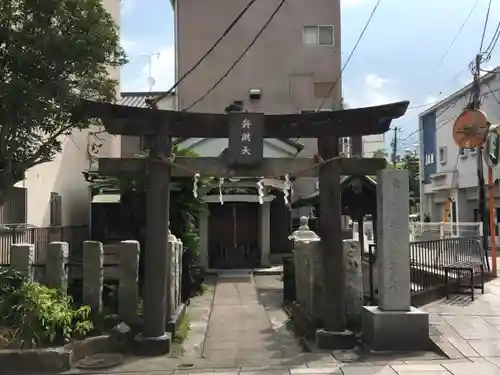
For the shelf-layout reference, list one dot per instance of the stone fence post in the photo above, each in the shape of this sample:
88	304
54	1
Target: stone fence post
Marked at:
22	256
55	265
173	244
178	272
308	284
353	283
93	275
128	271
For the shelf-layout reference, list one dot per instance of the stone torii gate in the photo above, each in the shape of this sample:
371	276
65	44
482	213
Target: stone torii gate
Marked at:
246	132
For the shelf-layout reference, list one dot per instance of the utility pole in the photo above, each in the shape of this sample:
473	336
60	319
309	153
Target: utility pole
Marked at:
476	104
394	145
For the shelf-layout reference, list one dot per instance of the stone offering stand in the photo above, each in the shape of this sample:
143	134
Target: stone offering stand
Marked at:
100	263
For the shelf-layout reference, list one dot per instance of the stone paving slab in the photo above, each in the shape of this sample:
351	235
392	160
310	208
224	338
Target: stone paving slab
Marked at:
241	329
199	313
466	328
465	367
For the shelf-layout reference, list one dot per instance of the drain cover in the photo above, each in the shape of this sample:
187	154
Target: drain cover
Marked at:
185	365
100	361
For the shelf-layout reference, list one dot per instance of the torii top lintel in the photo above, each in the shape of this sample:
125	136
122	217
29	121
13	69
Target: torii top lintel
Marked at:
134	121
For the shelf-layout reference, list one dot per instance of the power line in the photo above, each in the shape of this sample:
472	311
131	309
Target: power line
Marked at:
447	51
452	104
486	55
209	51
485	26
438	100
239	58
493	93
350	55
494	40
455	100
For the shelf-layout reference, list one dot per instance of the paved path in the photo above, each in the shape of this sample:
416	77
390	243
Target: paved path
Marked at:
240	327
469	329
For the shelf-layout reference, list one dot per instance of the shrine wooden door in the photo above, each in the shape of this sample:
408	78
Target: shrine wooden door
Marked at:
233	236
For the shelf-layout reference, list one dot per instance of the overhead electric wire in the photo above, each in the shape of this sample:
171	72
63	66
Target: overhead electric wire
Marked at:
486	55
487	52
239	58
447	51
485	26
205	55
350	55
451	104
493	93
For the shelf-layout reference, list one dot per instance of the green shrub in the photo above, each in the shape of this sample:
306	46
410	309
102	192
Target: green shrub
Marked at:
182	331
36	316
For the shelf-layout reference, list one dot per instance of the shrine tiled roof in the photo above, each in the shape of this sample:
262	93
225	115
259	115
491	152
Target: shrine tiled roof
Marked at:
138	99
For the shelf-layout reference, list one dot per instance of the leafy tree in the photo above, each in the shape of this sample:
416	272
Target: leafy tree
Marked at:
52	53
411	164
381	153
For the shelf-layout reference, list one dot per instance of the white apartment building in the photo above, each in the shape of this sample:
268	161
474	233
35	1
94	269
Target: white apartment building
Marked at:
56	193
446	170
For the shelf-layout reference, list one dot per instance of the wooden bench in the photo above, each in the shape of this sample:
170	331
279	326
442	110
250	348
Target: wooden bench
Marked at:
473	268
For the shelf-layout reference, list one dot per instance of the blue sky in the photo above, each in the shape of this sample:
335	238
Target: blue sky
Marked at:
398	58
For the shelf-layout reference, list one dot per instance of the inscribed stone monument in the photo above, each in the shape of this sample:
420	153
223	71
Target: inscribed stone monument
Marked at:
394	324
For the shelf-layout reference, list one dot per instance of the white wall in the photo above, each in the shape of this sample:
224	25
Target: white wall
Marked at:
212	147
63	175
372	143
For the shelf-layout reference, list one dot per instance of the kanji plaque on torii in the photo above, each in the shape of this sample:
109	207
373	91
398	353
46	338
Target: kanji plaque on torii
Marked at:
244	159
246	141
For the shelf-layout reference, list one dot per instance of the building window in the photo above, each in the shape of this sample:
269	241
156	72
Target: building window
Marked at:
429	159
55	210
442	155
318	35
462	152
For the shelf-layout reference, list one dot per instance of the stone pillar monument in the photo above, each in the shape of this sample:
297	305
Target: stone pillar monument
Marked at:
93	276
56	273
22	256
394	324
353	284
128	290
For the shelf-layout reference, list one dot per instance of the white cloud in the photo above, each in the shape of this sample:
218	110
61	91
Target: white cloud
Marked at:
430	99
128	45
375	91
375	82
162	71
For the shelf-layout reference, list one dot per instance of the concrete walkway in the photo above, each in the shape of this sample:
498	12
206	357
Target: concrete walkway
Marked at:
466	328
240	326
